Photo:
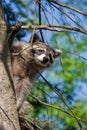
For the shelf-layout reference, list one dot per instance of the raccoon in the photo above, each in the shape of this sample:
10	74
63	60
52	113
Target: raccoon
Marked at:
28	60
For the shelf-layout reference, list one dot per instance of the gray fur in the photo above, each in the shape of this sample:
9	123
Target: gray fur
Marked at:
27	61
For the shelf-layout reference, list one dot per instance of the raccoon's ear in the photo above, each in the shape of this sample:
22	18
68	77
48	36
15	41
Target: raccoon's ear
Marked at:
34	38
57	53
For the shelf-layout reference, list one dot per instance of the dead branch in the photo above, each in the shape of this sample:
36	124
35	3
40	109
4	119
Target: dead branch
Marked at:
53	27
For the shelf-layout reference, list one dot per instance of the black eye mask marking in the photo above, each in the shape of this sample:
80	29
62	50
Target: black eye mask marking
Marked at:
33	51
51	59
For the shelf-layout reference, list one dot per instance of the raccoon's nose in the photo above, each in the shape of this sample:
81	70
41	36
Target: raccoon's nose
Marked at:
45	60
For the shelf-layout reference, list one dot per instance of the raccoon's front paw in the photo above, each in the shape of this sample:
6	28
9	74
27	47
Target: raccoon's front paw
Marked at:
17	27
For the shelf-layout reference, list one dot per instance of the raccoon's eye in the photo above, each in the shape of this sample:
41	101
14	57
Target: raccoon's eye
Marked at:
40	50
33	51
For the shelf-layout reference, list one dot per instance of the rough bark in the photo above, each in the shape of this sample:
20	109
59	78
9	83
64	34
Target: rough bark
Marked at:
8	112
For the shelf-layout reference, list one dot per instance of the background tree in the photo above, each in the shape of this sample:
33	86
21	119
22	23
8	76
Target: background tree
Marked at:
63	25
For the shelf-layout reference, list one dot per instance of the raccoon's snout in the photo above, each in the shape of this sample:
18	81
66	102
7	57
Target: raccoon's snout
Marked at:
45	60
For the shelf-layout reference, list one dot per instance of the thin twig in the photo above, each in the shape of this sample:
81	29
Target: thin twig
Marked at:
30	121
64	13
76	54
62	98
40	19
69	7
57	108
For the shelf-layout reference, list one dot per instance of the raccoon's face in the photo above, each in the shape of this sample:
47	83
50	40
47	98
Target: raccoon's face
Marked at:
42	54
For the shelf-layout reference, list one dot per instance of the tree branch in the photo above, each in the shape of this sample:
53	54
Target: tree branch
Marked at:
53	27
57	108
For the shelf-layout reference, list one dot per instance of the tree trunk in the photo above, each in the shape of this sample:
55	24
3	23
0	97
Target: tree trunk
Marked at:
8	112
